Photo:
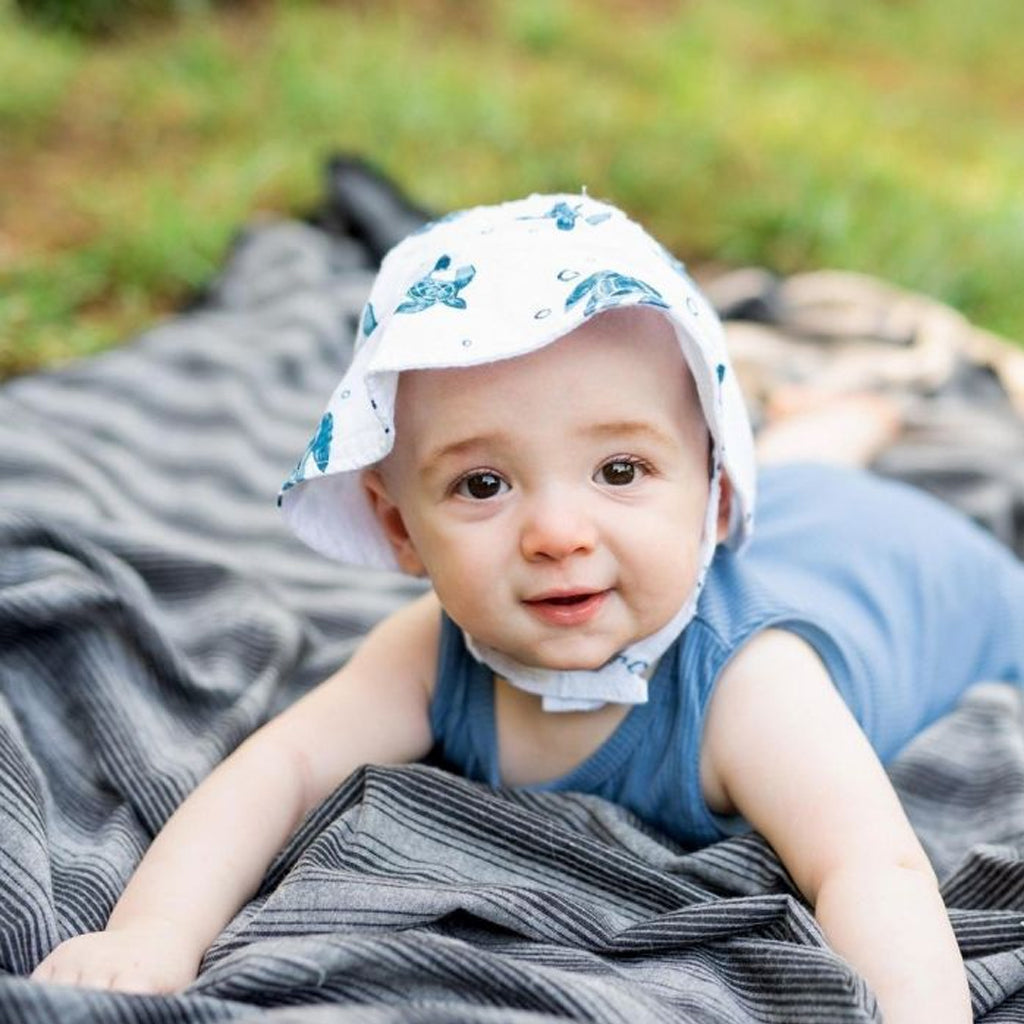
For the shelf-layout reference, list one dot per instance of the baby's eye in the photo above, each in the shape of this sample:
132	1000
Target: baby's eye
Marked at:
619	472
481	485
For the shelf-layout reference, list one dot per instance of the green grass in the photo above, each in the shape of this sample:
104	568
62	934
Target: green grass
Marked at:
878	136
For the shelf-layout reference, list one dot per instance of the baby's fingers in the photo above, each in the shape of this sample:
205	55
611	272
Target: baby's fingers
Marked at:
102	977
64	967
58	967
147	960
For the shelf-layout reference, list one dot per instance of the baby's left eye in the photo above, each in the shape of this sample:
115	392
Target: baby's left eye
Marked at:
619	472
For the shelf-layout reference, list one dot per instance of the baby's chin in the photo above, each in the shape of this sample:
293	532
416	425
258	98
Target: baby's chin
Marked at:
571	661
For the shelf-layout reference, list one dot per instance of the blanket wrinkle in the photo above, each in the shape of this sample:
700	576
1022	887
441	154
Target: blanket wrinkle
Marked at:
154	611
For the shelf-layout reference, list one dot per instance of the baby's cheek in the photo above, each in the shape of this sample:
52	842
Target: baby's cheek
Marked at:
461	591
672	576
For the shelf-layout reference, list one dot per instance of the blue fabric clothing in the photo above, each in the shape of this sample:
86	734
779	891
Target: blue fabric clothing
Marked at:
907	602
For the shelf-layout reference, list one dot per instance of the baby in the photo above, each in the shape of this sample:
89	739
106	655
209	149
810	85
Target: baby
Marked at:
541	417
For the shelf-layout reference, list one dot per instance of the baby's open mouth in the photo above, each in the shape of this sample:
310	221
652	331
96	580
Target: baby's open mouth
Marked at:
570	609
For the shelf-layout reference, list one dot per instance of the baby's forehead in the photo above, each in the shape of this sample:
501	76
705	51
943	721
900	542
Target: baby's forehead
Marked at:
618	366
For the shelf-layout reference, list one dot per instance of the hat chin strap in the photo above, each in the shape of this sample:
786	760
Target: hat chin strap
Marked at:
623	678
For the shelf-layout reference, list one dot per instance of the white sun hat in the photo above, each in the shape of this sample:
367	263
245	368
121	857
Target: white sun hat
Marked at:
491	283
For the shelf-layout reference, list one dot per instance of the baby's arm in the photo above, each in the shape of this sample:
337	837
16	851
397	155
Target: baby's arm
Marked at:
213	852
782	748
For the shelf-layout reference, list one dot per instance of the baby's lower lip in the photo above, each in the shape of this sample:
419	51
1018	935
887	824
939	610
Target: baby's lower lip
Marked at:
568	609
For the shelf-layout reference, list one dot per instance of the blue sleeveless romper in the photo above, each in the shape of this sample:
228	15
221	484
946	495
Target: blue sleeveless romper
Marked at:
907	602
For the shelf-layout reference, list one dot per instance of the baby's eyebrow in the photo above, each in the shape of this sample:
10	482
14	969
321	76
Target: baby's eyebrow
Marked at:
630	429
462	447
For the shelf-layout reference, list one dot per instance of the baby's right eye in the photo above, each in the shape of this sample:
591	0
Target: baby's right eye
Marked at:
481	485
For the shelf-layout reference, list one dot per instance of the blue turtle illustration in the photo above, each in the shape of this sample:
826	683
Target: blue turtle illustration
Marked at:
607	288
565	216
430	290
319	448
296	476
369	320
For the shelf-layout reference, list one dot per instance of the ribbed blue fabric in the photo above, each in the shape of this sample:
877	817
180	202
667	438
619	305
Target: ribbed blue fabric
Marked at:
907	602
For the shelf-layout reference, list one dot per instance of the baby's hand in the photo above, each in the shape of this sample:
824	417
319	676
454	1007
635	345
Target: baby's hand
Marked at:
143	957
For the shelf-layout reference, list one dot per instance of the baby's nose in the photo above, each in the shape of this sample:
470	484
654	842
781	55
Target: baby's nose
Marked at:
556	526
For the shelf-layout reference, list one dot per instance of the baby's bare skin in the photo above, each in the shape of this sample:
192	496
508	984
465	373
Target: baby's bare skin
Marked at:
805	425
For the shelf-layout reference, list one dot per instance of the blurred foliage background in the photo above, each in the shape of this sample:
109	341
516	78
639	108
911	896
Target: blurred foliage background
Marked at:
136	136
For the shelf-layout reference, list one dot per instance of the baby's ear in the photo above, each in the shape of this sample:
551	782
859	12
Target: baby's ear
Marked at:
391	522
724	507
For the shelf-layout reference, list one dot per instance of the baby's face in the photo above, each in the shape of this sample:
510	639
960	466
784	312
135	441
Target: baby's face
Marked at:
555	500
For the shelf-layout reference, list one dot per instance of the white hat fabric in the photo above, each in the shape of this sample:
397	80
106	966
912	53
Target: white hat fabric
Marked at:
490	283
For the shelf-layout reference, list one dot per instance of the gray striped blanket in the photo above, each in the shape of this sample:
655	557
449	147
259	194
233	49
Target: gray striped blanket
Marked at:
153	612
